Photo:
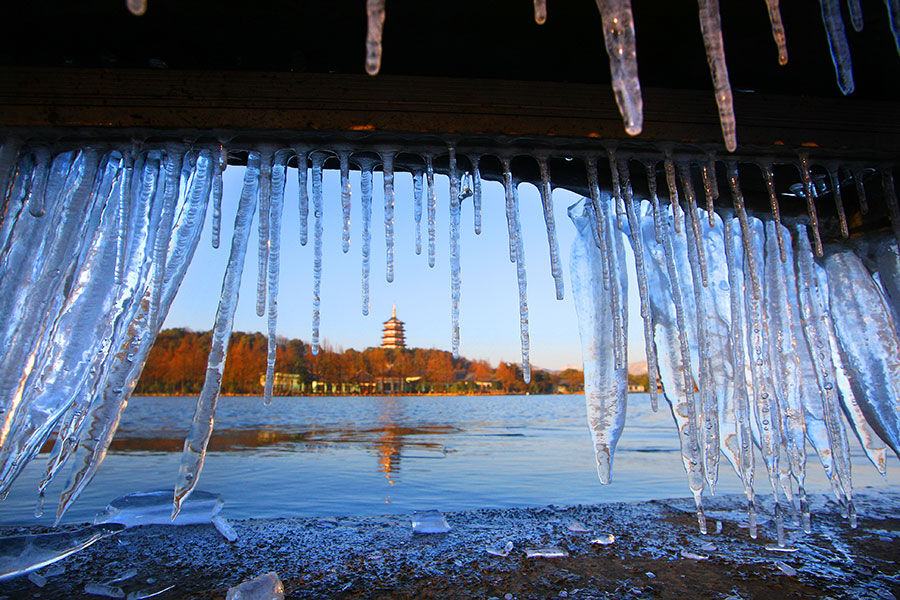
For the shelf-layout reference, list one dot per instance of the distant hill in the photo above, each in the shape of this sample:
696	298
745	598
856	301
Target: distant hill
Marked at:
637	368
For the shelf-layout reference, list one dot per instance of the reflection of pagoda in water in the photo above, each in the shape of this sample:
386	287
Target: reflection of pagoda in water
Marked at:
393	335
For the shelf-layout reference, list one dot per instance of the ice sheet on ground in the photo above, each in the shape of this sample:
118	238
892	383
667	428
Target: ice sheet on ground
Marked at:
155	508
604	540
25	553
264	587
502	552
550	552
429	521
101	589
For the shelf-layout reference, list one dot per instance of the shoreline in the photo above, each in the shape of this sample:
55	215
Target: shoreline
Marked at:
398	395
380	557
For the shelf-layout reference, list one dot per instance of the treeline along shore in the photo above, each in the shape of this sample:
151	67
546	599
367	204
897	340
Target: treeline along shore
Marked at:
177	366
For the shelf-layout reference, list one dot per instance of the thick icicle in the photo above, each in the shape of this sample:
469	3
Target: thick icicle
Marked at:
835	179
265	182
318	160
605	382
276	207
778	30
869	342
221	164
540	11
810	194
202	424
684	173
476	190
618	33
387	165
365	183
673	191
344	158
454	255
417	208
837	43
890	198
711	26
547	204
432	207
769	177
637	245
303	197
375	14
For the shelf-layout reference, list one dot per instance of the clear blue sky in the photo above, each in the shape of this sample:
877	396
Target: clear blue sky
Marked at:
489	305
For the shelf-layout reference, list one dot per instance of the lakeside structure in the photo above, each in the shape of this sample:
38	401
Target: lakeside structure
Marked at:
393	336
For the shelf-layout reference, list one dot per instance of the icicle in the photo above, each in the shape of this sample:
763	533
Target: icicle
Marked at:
432	206
618	33
617	187
365	183
318	160
201	426
809	192
417	208
34	198
643	286
221	164
344	158
174	155
136	7
684	173
274	266
605	381
890	198
673	191
619	280
515	234
710	185
540	11
265	183
860	190
302	171
387	165
837	43
375	14
654	199
509	187
454	254
778	30
838	202
893	8
856	16
476	190
122	220
599	209
711	26
547	203
769	177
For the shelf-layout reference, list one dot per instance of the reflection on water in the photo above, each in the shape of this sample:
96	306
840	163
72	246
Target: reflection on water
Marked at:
343	456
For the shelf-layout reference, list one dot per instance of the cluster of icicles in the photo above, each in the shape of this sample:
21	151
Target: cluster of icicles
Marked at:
96	239
754	340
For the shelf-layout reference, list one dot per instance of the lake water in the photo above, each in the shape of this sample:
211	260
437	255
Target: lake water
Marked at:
381	455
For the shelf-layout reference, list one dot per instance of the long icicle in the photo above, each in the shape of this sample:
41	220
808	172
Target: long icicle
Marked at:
684	174
174	156
618	33
202	424
835	179
598	208
221	164
344	158
387	165
276	208
432	207
710	186
266	155
417	176
769	177
837	43
455	278
547	204
654	200
318	160
303	196
123	224
515	234
893	9
617	186
365	183
778	30
711	26
860	190
809	192
476	190
375	14
508	186
669	165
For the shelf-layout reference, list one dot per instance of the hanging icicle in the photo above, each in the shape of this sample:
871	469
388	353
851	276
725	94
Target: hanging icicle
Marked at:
276	208
540	11
837	43
454	255
550	223
778	30
769	177
375	15
318	160
476	190
432	207
810	194
366	166
711	27
344	158
618	33
265	182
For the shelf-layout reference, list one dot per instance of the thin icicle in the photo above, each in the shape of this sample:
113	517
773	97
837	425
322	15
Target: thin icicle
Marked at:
618	33
599	210
432	206
835	179
303	197
837	43
344	158
387	165
454	254
710	186
221	164
856	16
810	194
654	200
893	8
509	187
890	198
265	185
769	177
637	245
365	183
274	267
673	191
515	234
318	160
778	31
476	190
375	14
174	156
201	426
540	11
547	203
417	208
860	190
122	220
684	173
711	26
617	186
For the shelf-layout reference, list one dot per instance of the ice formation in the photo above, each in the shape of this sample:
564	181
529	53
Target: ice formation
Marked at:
26	553
754	339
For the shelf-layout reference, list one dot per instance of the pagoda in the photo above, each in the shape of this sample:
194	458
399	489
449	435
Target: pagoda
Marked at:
393	336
